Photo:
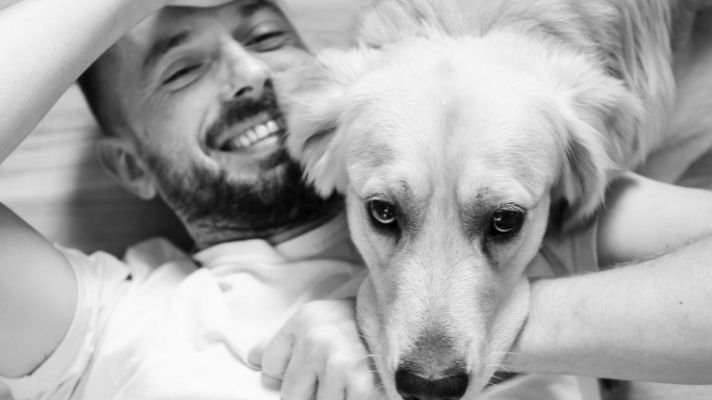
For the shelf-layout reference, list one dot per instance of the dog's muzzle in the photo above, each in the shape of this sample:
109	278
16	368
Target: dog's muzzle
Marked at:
450	384
432	370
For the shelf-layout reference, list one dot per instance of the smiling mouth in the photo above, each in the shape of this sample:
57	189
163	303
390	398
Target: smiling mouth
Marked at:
247	134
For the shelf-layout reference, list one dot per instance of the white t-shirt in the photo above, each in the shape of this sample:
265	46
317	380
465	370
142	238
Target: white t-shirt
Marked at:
156	326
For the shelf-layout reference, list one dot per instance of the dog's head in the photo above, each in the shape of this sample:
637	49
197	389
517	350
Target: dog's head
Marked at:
451	153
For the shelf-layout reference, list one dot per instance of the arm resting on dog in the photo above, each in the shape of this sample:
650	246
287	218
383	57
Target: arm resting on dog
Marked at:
650	320
654	313
643	218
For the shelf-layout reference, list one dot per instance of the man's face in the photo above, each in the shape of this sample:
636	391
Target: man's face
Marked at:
197	87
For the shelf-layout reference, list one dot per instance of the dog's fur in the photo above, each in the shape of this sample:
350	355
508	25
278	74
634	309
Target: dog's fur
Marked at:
451	110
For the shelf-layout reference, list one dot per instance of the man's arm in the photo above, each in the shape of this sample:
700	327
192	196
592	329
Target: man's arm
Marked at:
38	294
650	320
46	44
643	218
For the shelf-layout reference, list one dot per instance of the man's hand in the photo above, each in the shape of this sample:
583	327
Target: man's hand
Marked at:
319	355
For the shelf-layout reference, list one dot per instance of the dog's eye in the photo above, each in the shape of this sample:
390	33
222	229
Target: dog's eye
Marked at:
506	221
382	212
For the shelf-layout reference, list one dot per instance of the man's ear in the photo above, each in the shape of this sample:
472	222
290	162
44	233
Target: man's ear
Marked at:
317	117
119	158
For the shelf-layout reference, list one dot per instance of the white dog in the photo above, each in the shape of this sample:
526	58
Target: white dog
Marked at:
454	131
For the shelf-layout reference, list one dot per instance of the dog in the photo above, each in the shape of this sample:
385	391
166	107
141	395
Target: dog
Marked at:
462	133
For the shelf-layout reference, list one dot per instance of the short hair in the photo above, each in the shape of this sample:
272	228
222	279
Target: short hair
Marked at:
98	84
100	92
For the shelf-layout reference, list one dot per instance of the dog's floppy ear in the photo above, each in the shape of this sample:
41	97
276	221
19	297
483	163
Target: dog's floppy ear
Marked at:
585	171
601	134
316	117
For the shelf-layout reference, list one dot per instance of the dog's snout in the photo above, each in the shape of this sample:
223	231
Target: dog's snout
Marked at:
448	385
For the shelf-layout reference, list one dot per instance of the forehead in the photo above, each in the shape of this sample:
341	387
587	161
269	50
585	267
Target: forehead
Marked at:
173	21
480	127
173	26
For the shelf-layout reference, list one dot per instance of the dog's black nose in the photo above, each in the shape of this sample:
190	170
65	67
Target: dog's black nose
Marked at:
450	385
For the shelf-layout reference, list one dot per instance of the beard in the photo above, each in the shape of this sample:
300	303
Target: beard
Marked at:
219	204
214	201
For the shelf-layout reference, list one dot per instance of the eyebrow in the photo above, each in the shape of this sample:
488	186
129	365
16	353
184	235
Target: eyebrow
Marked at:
163	46
249	8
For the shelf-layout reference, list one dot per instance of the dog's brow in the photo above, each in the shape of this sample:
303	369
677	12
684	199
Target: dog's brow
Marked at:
411	205
401	192
474	215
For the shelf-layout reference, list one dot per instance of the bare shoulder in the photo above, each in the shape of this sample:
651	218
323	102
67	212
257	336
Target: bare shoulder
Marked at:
38	291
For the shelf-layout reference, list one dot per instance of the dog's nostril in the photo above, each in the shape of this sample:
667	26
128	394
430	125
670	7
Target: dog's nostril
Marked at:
411	386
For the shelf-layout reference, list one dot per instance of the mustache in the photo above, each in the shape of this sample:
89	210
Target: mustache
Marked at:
238	110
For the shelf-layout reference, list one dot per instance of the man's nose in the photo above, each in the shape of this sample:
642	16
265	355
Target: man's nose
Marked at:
450	384
247	75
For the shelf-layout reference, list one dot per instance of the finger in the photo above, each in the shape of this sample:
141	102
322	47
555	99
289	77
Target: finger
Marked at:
278	352
346	375
300	378
332	382
363	382
363	386
329	390
254	357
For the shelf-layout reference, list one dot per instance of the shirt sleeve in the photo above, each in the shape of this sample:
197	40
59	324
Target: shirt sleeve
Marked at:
100	279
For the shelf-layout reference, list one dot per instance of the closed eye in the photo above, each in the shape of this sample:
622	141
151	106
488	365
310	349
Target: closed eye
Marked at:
181	73
268	41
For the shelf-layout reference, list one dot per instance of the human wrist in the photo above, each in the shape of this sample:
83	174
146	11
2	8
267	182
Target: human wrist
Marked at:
543	331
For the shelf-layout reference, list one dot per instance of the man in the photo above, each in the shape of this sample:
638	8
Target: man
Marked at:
187	101
185	98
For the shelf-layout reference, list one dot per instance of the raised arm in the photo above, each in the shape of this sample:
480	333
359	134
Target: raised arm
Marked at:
649	320
46	44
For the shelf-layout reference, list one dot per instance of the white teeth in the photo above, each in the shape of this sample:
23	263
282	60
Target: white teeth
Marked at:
261	131
272	126
253	135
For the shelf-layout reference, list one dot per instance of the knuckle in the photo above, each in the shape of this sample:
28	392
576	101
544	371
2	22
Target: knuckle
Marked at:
342	362
362	391
314	309
321	336
272	370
